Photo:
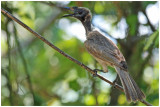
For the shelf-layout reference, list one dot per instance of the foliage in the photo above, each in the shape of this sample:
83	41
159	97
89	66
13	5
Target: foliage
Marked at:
58	81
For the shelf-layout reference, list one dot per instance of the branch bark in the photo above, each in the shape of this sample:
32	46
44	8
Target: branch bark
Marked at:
63	53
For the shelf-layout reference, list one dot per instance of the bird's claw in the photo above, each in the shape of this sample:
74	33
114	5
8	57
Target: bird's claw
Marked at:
114	84
95	72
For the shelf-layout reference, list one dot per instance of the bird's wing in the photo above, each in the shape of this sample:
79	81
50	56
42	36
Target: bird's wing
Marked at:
104	49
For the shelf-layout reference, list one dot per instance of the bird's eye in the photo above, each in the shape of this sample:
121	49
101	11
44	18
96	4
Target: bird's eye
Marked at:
80	12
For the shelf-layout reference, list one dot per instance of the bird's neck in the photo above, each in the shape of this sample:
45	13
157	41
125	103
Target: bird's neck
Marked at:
87	25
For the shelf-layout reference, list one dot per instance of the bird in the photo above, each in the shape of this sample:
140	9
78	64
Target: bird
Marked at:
106	53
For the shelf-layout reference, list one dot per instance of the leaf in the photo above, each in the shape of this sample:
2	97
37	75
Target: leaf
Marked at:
157	42
98	7
74	85
146	3
89	100
132	22
153	39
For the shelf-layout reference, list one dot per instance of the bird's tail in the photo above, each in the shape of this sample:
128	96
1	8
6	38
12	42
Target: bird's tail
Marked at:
132	91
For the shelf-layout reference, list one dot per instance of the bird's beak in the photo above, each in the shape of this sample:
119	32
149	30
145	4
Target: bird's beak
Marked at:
70	9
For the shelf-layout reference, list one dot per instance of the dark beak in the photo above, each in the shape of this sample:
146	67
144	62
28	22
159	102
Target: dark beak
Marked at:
70	9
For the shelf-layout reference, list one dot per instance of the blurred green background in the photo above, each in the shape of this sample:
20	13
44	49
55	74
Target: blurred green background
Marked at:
32	73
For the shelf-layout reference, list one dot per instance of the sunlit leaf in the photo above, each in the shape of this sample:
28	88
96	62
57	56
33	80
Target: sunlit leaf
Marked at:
121	99
89	100
102	98
98	7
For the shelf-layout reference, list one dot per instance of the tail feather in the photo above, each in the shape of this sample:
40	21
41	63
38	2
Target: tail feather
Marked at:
139	92
131	89
127	91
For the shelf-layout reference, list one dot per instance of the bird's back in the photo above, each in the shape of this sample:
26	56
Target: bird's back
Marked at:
102	48
101	39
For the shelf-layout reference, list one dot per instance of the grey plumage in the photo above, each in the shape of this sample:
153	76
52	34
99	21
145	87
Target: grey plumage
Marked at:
103	49
132	91
107	53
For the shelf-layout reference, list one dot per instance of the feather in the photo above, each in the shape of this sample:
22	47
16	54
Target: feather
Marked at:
132	91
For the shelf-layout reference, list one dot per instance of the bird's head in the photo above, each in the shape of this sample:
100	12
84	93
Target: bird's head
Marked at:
80	13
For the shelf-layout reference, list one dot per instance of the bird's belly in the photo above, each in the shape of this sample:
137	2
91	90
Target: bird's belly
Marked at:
103	62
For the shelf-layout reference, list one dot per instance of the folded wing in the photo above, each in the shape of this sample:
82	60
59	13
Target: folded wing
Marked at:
104	49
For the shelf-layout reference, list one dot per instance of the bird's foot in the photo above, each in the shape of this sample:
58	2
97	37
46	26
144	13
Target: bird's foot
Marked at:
115	82
95	72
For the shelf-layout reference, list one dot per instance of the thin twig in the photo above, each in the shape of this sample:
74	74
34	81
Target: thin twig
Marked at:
149	22
8	75
63	53
52	5
24	64
48	3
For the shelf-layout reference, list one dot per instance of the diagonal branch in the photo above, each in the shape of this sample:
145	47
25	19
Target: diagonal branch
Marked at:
63	53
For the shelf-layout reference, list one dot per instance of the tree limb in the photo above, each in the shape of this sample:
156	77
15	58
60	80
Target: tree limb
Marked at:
63	53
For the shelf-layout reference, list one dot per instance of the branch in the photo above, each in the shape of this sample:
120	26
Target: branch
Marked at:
149	22
8	75
52	4
63	53
24	64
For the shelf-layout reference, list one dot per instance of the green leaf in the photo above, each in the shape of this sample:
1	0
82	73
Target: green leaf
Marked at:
146	3
74	85
132	22
89	100
98	8
153	39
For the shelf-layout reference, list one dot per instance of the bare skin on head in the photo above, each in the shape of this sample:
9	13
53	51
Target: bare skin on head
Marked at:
106	53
